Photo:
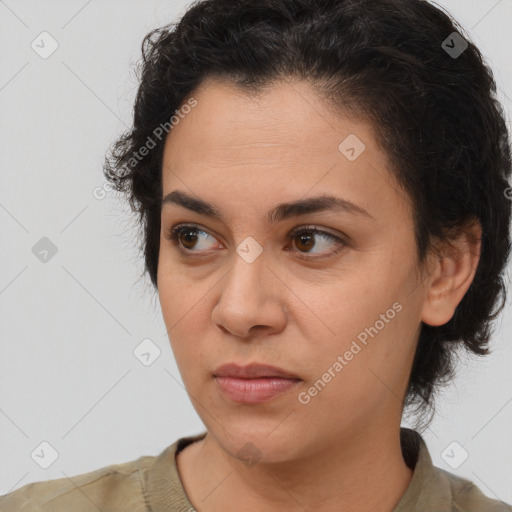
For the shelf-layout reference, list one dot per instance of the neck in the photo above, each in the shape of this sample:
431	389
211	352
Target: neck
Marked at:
338	477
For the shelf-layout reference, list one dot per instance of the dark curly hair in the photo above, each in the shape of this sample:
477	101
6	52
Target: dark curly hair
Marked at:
387	62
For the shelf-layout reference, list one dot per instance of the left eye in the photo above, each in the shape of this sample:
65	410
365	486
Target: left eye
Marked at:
187	238
306	238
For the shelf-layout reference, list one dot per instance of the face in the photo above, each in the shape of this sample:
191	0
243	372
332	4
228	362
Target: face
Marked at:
330	295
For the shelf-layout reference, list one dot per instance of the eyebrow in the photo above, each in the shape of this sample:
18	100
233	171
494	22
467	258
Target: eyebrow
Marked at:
281	212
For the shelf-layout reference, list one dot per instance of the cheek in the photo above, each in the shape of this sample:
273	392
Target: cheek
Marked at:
371	324
353	378
184	313
345	308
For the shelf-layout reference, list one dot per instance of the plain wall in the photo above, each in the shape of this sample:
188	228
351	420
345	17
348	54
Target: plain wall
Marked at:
69	326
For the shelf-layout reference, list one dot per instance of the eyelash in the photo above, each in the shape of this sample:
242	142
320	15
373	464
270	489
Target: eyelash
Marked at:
174	233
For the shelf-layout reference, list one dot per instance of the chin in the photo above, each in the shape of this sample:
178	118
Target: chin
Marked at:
251	444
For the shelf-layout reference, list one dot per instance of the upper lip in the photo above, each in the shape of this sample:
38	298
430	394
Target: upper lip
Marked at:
252	371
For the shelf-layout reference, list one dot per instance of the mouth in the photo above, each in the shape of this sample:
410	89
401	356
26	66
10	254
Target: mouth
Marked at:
253	371
254	383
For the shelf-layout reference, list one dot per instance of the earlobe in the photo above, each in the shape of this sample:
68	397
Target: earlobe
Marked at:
452	276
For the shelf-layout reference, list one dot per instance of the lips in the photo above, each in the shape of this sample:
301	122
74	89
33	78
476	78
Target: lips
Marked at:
253	371
254	383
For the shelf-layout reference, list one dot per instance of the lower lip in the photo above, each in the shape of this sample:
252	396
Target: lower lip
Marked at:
254	391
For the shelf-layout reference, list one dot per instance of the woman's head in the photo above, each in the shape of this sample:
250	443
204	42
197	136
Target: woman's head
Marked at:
281	101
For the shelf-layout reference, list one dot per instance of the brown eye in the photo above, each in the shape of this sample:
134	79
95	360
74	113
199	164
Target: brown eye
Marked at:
187	237
306	239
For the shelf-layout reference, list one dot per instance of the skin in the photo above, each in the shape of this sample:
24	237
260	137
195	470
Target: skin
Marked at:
247	154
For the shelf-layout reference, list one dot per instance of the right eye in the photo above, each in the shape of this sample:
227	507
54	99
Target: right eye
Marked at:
186	237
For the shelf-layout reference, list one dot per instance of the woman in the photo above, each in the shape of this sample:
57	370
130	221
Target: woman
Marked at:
322	189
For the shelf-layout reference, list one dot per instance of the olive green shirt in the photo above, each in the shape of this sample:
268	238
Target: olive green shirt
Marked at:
152	484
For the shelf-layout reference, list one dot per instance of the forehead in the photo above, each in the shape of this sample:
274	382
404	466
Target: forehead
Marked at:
229	119
284	142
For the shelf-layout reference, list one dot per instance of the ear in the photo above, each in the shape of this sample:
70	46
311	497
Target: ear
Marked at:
453	267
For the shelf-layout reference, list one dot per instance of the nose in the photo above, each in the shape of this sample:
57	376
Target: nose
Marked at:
251	300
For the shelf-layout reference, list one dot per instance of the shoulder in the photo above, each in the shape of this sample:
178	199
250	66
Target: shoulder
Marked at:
435	489
114	488
467	497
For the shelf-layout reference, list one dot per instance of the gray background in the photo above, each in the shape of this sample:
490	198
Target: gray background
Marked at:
68	327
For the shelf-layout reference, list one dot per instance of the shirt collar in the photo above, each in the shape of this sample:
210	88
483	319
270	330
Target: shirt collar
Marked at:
429	489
